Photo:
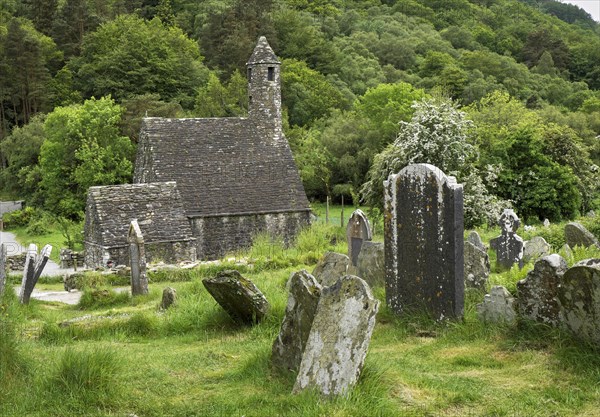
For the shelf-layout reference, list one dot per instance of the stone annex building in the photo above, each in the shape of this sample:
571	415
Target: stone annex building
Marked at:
205	187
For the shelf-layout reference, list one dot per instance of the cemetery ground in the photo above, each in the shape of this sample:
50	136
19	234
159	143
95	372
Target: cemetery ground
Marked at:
113	355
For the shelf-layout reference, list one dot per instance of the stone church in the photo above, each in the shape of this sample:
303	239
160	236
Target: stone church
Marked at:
229	179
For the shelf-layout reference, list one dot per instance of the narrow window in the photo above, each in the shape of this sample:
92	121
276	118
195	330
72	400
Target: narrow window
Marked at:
249	74
249	99
271	73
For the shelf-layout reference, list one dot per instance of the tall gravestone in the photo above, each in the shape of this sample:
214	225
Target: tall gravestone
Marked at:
34	265
137	260
509	245
358	231
423	222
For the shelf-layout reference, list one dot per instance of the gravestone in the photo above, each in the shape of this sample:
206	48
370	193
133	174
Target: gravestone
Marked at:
34	265
477	266
579	295
339	338
371	264
535	248
137	260
303	297
546	223
566	251
169	298
577	235
538	292
423	222
2	268
475	239
509	245
498	306
238	296
358	231
331	267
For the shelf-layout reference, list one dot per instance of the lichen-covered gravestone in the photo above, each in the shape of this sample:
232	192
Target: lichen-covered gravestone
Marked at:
34	265
423	221
137	260
498	306
2	268
331	267
238	296
475	239
303	297
477	266
339	338
577	235
169	298
538	292
535	248
509	245
579	295
371	263
358	231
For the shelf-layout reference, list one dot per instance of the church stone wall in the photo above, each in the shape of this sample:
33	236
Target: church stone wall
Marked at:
168	252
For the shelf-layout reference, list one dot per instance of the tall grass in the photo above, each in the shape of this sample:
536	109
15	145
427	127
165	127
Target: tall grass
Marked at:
12	361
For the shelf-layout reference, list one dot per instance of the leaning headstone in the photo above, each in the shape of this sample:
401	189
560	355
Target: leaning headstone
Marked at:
2	268
169	298
339	338
579	295
475	239
498	306
238	296
358	231
303	297
477	267
538	292
423	222
577	235
331	267
137	260
34	265
535	248
509	245
371	264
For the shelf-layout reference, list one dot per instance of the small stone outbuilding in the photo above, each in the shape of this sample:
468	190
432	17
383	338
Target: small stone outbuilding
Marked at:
158	208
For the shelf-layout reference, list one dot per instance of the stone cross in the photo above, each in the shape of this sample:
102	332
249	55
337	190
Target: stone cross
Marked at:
509	245
358	230
2	268
34	265
423	221
137	259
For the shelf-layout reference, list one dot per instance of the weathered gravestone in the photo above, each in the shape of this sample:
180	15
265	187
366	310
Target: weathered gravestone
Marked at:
34	265
423	222
498	306
475	239
579	295
509	245
566	251
238	296
371	263
535	248
477	266
169	298
137	260
538	292
304	293
577	235
339	338
331	267
358	231
2	268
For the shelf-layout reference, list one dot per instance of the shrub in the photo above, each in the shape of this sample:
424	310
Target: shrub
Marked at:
38	228
19	218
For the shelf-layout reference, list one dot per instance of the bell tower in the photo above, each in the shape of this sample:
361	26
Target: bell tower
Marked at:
264	89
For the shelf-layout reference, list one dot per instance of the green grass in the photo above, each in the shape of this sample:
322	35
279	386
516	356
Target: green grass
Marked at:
53	237
129	357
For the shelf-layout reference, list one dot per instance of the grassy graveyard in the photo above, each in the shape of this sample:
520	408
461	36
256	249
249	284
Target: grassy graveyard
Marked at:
193	360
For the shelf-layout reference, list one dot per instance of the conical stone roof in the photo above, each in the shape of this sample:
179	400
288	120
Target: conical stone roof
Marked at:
263	54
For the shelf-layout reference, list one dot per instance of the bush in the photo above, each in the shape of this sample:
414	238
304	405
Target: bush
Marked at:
19	218
38	228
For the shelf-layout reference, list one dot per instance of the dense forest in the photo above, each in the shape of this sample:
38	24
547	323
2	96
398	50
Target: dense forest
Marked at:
504	94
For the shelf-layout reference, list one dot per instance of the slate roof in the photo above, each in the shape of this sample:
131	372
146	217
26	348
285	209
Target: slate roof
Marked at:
158	207
222	166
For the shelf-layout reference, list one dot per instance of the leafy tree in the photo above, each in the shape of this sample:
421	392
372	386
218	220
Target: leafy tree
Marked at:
218	100
82	148
130	56
74	19
147	105
541	41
